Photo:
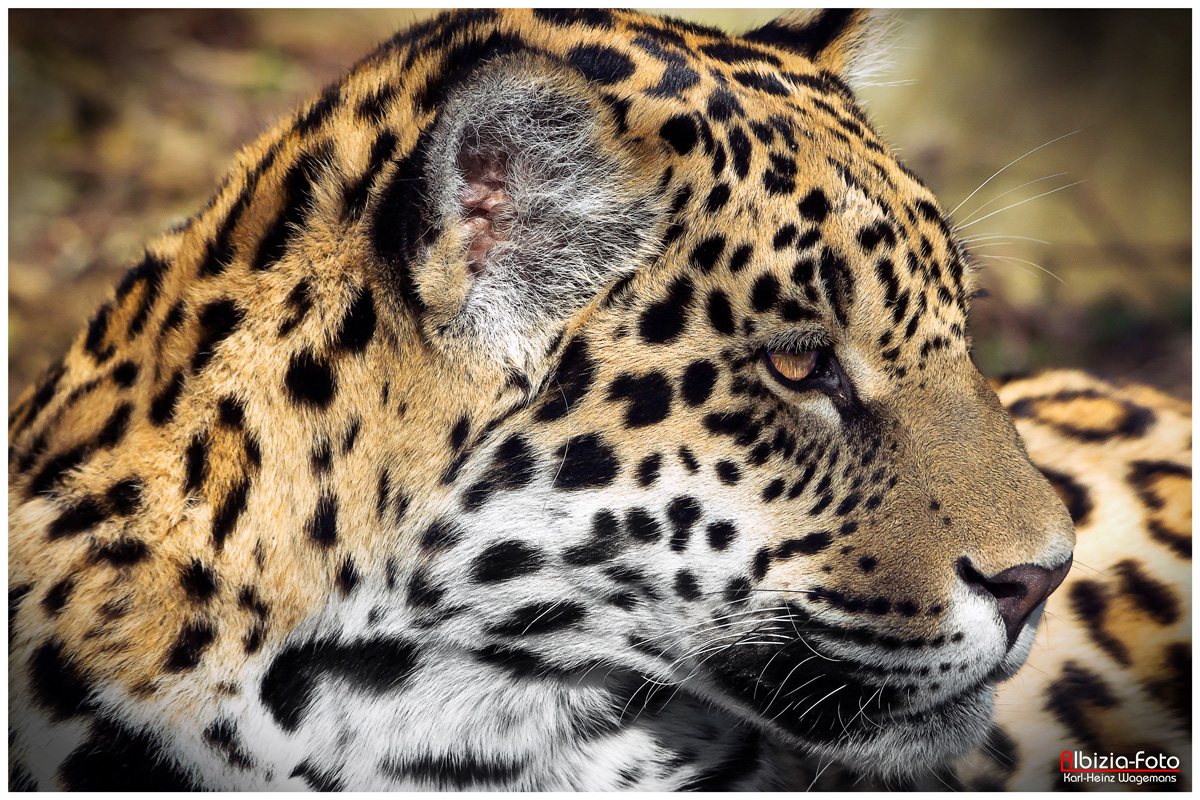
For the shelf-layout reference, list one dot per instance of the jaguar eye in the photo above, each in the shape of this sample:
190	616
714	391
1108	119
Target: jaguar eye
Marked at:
791	368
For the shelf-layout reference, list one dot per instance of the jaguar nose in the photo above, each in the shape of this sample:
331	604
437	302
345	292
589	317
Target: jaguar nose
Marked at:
1018	590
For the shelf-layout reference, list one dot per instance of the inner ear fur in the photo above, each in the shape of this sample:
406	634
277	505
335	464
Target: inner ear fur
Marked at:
538	205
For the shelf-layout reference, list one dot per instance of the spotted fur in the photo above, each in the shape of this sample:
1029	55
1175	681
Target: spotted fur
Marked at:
439	450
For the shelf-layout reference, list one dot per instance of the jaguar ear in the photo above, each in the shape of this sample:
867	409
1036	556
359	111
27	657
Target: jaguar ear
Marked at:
853	44
536	204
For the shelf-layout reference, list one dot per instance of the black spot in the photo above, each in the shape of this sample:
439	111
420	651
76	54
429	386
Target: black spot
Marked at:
784	236
601	64
225	515
740	148
602	543
705	254
686	586
357	194
765	293
807	546
118	759
358	326
458	436
698	381
728	472
1150	595
772	490
688	460
41	397
421	592
506	560
718	197
440	533
780	176
737	590
53	602
83	515
196	462
722	105
680	132
375	666
317	779
124	497
115	427
1072	494
720	315
401	222
585	462
319	111
322	457
199	582
322	527
121	552
848	504
814	206
763	83
762	560
299	301
539	618
732	423
347	577
733	53
571	382
740	258
150	271
648	469
218	320
374	107
297	197
513	467
96	332
463	771
521	663
791	311
640	525
839	284
162	407
222	737
662	322
720	534
310	380
193	640
1069	698
867	563
648	397
683	512
124	374
57	683
1089	602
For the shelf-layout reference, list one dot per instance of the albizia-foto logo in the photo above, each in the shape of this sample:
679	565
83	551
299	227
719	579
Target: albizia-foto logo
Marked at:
1143	767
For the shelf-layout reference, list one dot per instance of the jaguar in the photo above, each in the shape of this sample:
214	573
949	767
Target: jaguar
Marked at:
570	399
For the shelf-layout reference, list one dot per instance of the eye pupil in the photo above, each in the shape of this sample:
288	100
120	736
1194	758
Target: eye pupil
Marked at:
794	366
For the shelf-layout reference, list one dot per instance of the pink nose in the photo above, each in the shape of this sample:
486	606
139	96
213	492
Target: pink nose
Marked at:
1018	590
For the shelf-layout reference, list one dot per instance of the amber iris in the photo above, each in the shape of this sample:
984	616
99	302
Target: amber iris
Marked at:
794	366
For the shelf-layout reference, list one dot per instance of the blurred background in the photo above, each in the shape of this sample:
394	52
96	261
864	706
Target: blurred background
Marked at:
121	123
